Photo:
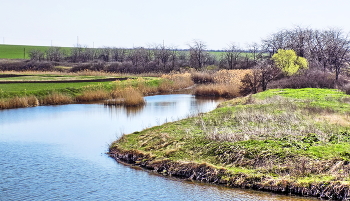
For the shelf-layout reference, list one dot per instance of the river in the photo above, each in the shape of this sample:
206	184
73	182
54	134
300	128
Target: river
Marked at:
58	153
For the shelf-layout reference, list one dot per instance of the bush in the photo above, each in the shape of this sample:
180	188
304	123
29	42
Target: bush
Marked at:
26	66
346	89
311	79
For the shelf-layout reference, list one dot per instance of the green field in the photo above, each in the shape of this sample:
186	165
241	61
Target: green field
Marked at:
19	51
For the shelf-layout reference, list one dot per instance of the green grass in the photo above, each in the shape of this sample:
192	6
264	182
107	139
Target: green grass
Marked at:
41	89
50	77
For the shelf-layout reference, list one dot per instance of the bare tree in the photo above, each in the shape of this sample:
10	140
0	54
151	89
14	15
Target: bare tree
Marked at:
336	50
262	74
231	56
119	54
54	54
161	55
198	54
105	54
255	51
36	55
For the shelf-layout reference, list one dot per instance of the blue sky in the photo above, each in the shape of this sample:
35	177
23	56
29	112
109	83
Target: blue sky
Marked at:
135	23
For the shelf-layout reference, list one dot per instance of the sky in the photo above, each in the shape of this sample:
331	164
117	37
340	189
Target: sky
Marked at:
144	23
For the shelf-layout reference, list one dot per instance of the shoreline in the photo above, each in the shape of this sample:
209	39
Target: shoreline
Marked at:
208	174
282	157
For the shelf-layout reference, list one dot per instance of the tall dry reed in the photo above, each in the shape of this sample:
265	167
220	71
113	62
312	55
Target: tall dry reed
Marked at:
175	81
56	99
93	95
19	102
128	96
217	90
224	83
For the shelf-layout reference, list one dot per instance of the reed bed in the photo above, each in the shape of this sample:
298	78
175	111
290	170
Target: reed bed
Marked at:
217	90
128	96
56	99
18	102
223	83
95	95
173	82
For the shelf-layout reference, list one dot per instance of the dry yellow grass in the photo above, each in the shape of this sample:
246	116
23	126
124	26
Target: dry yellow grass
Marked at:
336	119
128	96
18	102
218	90
56	99
93	95
227	83
175	81
233	77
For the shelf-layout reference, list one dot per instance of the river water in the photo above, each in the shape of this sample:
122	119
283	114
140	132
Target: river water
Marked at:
58	153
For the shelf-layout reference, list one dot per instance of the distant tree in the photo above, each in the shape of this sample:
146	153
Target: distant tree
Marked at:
36	55
119	54
289	62
256	53
161	55
198	54
333	49
105	54
231	56
54	54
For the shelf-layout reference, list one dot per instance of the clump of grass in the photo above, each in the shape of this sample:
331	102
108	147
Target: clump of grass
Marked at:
56	99
18	102
128	96
172	82
217	90
224	83
146	87
93	95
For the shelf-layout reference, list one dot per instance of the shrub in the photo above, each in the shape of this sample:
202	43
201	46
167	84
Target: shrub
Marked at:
311	79
346	89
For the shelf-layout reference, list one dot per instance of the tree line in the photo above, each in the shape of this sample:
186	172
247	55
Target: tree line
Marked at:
156	58
326	50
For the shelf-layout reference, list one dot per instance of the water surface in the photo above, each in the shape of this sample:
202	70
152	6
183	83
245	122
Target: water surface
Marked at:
58	153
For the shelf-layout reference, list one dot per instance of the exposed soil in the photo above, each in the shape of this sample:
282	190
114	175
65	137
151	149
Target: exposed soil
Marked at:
210	174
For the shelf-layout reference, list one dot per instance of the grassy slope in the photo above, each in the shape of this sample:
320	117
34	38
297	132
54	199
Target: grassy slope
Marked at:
300	136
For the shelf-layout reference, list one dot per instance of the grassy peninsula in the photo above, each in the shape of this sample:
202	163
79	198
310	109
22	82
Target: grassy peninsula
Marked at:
282	140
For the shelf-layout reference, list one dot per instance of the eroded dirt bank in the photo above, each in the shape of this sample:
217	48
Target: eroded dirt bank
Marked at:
210	174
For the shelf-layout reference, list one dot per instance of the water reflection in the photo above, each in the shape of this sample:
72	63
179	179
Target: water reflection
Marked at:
128	110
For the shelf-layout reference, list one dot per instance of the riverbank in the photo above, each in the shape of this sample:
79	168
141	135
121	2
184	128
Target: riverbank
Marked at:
285	141
55	88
